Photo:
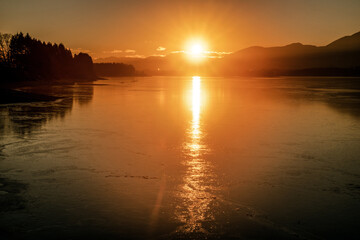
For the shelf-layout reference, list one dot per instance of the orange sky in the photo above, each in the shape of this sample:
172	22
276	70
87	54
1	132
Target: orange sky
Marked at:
129	27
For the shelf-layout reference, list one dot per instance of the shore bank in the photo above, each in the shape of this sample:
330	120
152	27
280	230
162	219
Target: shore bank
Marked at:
9	92
8	96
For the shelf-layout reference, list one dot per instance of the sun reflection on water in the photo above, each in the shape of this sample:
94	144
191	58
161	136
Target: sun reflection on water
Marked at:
194	145
196	192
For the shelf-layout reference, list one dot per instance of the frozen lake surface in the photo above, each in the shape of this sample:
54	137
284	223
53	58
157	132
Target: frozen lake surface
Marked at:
183	157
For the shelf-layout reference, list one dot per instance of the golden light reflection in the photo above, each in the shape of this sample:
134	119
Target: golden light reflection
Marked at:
196	195
196	104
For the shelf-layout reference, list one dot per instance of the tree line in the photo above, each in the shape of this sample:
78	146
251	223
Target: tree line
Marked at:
25	58
114	69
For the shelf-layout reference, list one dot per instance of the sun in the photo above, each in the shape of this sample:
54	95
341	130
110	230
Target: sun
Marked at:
195	50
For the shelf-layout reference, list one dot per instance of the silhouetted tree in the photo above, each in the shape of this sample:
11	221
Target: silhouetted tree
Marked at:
27	58
5	40
83	65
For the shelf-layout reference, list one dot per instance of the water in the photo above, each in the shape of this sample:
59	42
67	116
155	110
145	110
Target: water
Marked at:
183	157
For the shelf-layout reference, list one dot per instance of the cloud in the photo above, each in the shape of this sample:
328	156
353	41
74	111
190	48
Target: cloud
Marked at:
214	54
207	54
130	53
79	50
160	49
158	55
135	56
217	53
178	51
113	51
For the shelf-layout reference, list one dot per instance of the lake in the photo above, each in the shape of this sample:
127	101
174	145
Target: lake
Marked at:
183	158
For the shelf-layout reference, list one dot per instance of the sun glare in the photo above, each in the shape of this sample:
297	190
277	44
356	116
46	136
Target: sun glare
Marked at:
195	50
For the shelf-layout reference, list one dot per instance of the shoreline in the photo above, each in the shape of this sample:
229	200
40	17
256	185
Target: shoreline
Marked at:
10	93
9	96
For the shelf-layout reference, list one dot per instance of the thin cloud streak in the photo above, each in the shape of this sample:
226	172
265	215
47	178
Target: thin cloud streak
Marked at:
158	55
113	51
135	56
79	50
160	49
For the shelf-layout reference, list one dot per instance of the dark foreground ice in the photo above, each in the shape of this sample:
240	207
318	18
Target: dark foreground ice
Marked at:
183	158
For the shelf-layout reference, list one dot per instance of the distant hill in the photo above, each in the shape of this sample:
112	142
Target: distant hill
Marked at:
114	60
172	64
347	43
341	58
114	70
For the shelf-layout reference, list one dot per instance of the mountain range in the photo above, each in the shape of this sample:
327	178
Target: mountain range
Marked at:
340	57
